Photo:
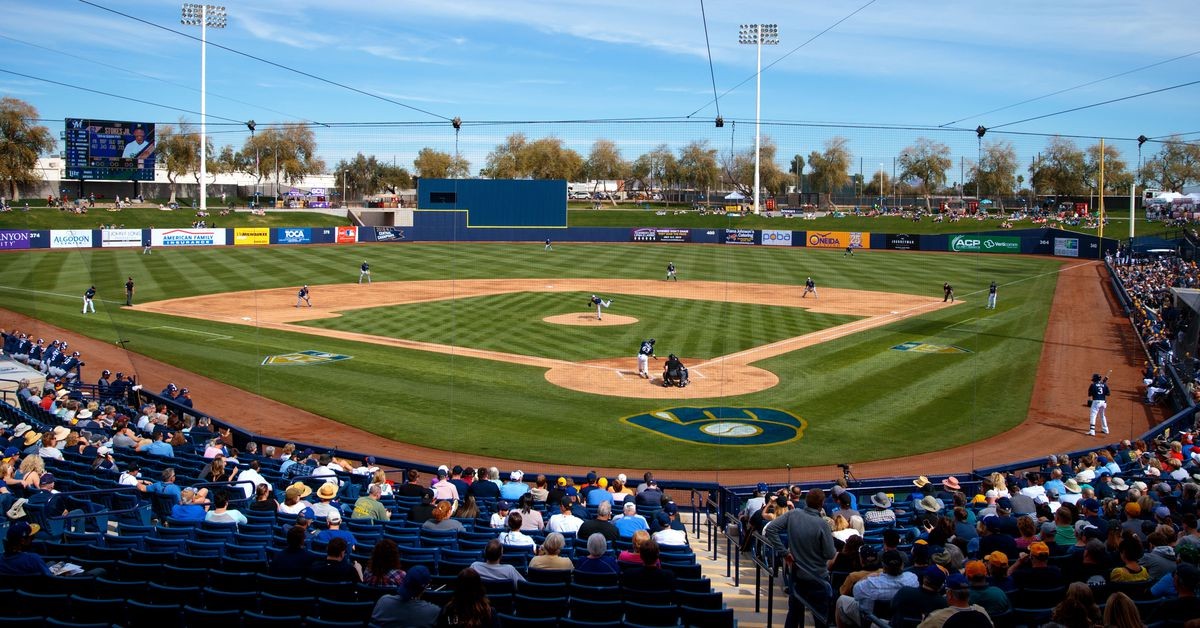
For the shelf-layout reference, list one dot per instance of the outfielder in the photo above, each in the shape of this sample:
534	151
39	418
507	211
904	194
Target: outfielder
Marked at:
302	296
991	297
1098	394
645	352
671	271
364	271
549	247
947	292
600	305
809	286
88	298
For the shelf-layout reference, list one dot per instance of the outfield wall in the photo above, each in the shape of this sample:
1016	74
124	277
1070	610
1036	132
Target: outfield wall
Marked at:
451	226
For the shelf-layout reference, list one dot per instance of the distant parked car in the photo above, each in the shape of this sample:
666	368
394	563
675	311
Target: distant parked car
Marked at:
580	196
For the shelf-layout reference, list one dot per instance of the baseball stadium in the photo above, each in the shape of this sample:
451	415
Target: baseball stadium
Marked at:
589	369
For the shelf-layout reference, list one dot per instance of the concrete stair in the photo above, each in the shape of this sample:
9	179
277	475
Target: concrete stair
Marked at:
740	597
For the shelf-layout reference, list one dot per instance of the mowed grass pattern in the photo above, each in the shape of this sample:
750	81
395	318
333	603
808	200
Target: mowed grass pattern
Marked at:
862	400
513	323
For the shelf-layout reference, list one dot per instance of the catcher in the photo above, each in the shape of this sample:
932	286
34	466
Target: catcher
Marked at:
674	373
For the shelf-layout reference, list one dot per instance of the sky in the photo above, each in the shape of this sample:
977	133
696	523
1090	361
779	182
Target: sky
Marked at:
519	65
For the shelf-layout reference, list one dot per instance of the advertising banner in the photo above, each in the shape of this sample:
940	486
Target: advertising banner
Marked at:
70	238
1066	247
187	237
985	244
739	236
243	236
649	234
294	235
118	238
389	234
776	237
12	240
903	242
838	239
347	235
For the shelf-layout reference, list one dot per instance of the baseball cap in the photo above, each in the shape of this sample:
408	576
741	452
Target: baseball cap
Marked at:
934	577
1039	548
333	517
892	557
1049	528
370	459
561	481
622	479
957	581
591	477
417	579
1004	503
671	508
1090	504
47	478
1082	525
1162	511
662	519
762	487
9	452
998	558
991	522
975	569
516	476
502	505
20	530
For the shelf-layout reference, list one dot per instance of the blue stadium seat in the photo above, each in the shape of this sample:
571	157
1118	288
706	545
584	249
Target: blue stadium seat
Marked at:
220	600
144	615
707	617
514	621
344	611
195	616
595	610
651	614
526	606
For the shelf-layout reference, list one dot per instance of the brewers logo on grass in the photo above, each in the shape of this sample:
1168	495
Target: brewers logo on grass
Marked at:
723	425
303	358
927	347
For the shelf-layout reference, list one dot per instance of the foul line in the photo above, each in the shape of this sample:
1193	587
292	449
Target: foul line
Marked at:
191	331
76	297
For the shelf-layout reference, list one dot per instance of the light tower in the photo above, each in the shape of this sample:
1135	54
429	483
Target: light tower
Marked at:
758	35
205	16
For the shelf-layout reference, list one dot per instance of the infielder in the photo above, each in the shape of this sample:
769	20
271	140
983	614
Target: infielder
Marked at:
600	305
645	352
947	292
809	286
364	271
1098	394
991	297
88	298
302	296
671	271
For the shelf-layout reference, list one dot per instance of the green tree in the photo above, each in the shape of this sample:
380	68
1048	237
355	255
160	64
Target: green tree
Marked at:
392	179
652	169
1117	177
1176	165
796	167
178	152
21	143
830	168
604	162
771	177
435	164
508	160
1060	170
879	185
287	152
547	158
995	174
697	166
926	161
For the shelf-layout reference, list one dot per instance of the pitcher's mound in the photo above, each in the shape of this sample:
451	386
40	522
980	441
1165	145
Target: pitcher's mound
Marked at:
588	319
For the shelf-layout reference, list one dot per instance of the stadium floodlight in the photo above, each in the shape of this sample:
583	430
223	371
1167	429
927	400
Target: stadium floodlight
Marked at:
758	35
205	16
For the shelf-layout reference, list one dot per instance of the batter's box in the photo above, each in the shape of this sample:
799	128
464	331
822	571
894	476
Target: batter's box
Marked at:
303	358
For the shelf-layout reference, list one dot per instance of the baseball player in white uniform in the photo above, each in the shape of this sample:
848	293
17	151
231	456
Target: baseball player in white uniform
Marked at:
600	305
645	352
1098	394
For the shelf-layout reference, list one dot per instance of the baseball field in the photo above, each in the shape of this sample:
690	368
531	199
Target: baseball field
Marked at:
494	350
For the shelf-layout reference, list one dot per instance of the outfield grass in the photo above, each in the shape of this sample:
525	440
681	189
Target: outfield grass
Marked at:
144	217
855	393
513	323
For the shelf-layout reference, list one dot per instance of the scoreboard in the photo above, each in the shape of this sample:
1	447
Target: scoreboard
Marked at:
109	150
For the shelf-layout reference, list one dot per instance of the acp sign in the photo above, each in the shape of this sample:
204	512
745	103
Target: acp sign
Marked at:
722	426
985	244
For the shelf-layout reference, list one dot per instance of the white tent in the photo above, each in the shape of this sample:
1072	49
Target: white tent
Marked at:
734	196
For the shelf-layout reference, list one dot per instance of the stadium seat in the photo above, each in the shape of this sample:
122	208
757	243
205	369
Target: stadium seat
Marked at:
143	615
595	610
63	623
651	614
219	600
542	590
89	608
513	621
559	576
597	593
709	601
259	620
707	617
571	622
182	576
231	580
27	604
595	579
286	605
343	611
526	606
164	594
197	617
279	585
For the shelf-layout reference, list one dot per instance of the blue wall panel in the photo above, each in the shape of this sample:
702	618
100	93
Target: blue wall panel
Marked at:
498	202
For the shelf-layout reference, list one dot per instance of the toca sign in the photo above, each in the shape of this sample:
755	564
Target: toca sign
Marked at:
985	244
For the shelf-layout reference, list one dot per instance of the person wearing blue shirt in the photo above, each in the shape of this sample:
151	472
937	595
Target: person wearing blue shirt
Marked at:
630	522
188	509
598	494
17	559
158	447
334	531
515	487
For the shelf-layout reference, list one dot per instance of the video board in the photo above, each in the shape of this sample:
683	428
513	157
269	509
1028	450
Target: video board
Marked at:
108	149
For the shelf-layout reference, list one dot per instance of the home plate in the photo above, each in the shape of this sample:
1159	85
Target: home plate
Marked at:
247	318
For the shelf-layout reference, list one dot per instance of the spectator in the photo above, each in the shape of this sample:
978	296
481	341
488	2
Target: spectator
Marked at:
499	518
634	556
665	534
264	499
565	520
379	478
849	557
629	521
598	559
879	587
600	525
1078	608
443	489
514	535
1186	579
993	600
333	531
369	507
1130	571
1034	571
958	603
515	487
384	568
158	446
221	513
810	547
251	478
441	519
531	518
326	494
649	576
18	560
294	560
293	499
541	489
1160	561
882	513
1121	612
467	508
918	602
492	569
469	605
548	556
334	567
406	609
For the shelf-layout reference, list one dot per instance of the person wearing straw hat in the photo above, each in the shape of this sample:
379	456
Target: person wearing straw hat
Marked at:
1072	492
326	494
294	498
32	442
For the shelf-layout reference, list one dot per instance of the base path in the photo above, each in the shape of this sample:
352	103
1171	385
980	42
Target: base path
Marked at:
722	376
1055	422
